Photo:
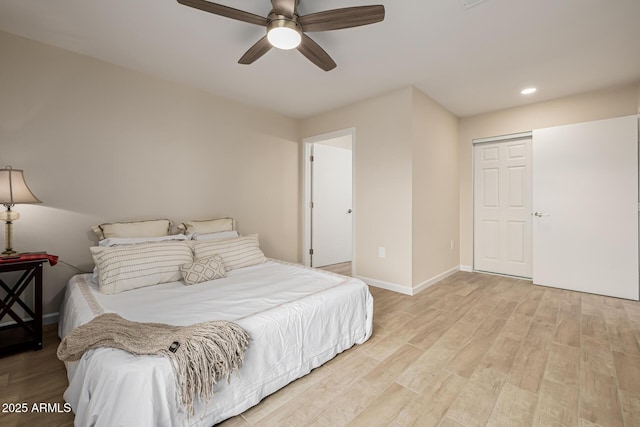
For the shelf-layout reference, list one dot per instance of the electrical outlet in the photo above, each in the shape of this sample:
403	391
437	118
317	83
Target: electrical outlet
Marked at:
382	252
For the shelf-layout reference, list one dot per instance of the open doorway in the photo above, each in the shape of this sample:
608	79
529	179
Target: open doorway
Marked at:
328	201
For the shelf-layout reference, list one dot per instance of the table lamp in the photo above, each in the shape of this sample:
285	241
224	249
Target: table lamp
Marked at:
13	190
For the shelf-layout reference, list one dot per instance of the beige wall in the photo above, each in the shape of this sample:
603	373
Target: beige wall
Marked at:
614	102
435	189
103	143
382	181
406	185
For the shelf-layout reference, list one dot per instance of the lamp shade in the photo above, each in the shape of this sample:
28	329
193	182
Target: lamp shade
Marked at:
14	189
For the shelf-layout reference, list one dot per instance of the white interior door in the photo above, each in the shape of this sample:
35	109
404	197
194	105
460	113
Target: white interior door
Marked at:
585	193
502	207
331	217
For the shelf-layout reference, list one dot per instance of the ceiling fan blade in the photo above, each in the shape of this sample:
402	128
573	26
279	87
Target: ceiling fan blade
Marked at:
284	7
226	11
337	19
261	47
316	54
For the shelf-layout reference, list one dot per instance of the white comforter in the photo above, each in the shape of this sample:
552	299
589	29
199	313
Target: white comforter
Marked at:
298	319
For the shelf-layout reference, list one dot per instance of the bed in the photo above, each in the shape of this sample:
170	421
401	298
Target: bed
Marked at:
298	319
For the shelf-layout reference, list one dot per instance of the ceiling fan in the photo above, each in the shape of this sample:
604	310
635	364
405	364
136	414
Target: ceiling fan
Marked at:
286	29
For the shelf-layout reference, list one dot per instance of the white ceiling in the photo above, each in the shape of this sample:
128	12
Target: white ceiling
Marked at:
469	60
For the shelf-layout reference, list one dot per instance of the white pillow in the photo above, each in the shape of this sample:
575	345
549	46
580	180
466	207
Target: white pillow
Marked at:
215	236
207	226
235	253
123	268
117	241
149	228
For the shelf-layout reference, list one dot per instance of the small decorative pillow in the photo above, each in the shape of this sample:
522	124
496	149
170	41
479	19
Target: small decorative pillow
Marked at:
203	270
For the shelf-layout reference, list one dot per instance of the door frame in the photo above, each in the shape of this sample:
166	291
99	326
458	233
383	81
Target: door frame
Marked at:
306	191
487	140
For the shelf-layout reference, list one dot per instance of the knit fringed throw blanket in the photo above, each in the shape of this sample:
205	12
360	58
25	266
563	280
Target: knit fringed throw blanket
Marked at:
201	354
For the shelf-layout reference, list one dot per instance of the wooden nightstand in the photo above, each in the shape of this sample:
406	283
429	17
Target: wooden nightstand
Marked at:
23	334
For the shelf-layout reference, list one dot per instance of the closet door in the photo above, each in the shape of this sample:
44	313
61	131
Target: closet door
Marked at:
502	207
585	207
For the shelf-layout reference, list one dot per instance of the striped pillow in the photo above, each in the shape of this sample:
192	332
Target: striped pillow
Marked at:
123	268
235	253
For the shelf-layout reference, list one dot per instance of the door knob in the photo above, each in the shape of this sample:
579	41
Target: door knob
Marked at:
540	214
349	211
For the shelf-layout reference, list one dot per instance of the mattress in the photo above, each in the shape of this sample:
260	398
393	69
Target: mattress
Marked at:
298	319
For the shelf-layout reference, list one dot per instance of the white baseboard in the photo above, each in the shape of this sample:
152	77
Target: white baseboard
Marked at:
435	279
409	291
386	285
466	268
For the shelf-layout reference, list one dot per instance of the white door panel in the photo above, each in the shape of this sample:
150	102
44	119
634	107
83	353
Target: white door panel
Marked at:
585	181
502	207
331	230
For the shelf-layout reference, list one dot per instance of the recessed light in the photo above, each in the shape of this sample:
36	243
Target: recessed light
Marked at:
528	91
470	3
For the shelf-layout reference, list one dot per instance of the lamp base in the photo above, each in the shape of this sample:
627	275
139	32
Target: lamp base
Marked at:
9	253
9	216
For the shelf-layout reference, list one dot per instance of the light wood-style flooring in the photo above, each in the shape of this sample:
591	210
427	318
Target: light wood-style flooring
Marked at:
472	350
34	377
343	268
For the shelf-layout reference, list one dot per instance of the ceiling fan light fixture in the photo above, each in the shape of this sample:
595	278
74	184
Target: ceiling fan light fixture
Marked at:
284	33
286	29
